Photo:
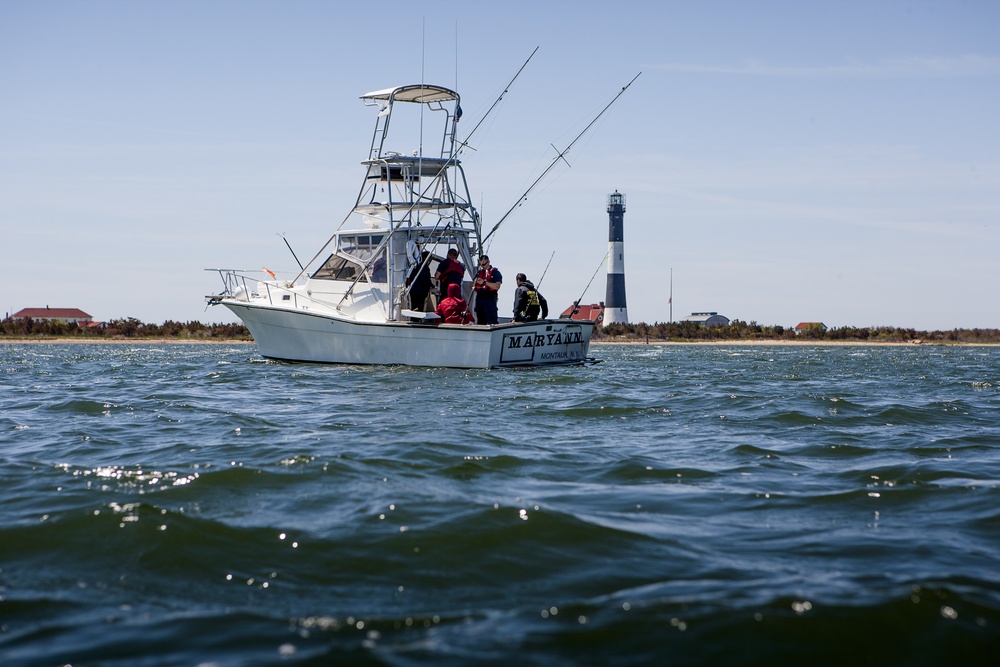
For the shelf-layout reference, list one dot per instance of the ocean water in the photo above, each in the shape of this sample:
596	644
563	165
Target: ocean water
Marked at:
672	505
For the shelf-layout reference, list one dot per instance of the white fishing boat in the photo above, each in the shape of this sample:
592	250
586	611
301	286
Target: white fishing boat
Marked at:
350	303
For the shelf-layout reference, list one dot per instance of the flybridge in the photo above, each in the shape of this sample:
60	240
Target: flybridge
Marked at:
421	93
433	99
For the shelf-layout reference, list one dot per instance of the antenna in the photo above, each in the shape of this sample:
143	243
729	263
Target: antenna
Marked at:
423	50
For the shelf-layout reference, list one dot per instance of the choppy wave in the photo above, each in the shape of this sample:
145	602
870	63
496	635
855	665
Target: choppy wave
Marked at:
194	505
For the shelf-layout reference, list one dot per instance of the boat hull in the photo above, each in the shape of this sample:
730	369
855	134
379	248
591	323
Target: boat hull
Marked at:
294	335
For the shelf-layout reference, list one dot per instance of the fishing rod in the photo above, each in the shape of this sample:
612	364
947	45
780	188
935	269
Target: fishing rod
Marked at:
546	270
561	156
576	304
464	144
301	268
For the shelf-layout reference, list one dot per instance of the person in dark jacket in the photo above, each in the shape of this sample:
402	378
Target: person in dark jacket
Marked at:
528	302
419	282
453	309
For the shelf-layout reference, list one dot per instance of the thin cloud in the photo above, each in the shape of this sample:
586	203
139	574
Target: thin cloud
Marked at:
901	67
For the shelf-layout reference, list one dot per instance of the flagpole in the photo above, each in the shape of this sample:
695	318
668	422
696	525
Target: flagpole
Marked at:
670	301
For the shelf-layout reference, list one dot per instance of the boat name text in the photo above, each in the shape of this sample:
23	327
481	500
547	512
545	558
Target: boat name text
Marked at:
542	340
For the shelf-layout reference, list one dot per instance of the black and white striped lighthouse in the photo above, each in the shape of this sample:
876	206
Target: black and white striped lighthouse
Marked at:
615	310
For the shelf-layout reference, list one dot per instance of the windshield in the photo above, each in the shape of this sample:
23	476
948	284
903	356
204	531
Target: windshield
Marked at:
359	250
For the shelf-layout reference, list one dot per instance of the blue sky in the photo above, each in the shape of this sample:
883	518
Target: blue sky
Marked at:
790	161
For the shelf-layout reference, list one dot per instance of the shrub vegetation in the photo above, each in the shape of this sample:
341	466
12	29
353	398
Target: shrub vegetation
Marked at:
661	331
739	330
129	327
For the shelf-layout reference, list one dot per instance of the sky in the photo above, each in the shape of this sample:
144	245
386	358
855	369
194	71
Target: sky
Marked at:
782	161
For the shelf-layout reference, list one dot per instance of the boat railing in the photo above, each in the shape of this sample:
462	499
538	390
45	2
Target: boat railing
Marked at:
233	281
237	287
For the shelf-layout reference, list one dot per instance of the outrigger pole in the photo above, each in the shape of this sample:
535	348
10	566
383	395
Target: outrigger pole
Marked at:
464	144
561	156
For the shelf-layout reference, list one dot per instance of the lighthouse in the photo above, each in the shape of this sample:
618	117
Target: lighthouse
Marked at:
615	310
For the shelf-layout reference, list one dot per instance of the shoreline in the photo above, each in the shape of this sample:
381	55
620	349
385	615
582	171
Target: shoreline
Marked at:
124	341
798	343
709	343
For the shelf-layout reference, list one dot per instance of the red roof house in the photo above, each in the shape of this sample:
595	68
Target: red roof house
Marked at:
594	312
809	326
47	314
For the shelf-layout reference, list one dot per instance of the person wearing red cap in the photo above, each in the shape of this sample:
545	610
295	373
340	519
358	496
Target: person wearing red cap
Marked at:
453	309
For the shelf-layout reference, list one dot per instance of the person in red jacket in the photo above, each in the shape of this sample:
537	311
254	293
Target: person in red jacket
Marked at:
453	309
449	272
487	284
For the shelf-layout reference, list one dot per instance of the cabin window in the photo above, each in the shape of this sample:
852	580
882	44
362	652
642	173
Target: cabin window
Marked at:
338	268
359	251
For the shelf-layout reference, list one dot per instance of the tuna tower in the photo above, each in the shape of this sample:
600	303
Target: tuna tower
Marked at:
615	310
